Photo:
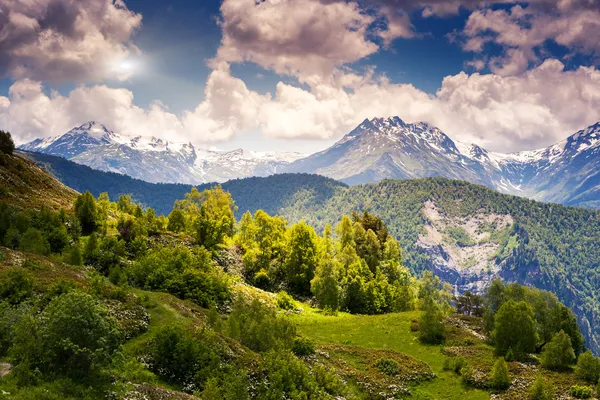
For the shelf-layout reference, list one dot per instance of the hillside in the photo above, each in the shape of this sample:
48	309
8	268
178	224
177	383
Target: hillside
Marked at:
23	183
270	193
465	233
469	234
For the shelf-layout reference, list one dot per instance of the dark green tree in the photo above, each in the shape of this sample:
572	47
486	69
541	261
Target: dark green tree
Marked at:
7	146
85	209
558	354
588	367
515	329
34	241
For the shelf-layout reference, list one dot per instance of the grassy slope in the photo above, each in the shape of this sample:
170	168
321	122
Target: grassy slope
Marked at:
23	183
387	332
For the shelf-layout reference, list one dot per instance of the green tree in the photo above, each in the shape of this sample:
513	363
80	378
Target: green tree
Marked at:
75	256
176	221
515	329
431	324
16	286
541	389
302	258
499	378
33	241
588	367
85	209
325	284
558	354
215	220
7	146
72	337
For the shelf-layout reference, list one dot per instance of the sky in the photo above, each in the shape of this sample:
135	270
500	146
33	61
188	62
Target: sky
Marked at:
297	75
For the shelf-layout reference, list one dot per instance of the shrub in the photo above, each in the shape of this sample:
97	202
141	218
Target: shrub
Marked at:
258	326
455	364
499	379
558	354
303	347
541	389
33	241
286	377
588	367
431	326
184	357
285	301
581	392
16	286
387	366
72	337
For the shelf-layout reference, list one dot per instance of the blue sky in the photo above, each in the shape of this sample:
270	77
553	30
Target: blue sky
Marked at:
296	76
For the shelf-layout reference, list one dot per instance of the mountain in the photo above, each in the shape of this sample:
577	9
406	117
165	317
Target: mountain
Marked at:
156	160
468	234
270	194
389	148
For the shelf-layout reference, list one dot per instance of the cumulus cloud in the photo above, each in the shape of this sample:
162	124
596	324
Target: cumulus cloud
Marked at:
524	31
60	40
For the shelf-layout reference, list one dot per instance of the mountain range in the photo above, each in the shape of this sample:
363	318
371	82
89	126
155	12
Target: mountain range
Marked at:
156	160
379	148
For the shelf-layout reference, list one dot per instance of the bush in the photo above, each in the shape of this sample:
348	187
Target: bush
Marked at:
455	364
285	301
33	241
7	146
499	379
581	392
387	366
303	347
558	354
258	326
431	326
16	286
184	357
588	367
72	337
286	377
541	389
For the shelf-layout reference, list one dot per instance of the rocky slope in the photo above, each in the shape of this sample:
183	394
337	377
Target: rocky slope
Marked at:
567	172
155	160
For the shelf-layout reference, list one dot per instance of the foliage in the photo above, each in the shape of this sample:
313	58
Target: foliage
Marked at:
258	327
588	367
469	304
7	145
499	378
184	357
72	337
558	354
301	261
16	286
289	378
302	346
387	366
581	392
515	329
541	389
285	301
455	364
85	209
182	272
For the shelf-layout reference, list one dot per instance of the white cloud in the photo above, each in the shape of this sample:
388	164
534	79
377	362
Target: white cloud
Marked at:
60	40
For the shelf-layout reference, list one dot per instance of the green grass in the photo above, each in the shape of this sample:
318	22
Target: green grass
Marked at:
387	332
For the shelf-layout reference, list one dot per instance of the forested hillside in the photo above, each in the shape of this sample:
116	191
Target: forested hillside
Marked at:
106	300
466	233
270	194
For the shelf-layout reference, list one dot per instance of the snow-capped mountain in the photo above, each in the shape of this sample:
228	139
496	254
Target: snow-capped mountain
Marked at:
156	160
567	172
